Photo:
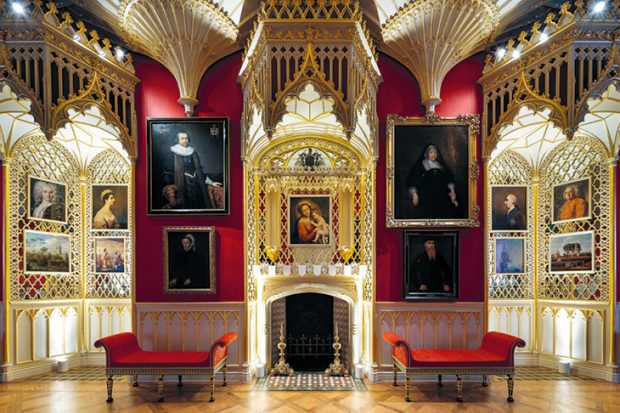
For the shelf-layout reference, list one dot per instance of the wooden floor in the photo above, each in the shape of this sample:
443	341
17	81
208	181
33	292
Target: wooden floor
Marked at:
532	395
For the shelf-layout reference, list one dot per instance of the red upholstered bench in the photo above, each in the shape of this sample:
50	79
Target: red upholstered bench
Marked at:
495	356
125	357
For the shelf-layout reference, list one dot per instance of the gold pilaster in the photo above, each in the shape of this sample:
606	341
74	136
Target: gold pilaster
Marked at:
84	238
613	164
535	188
7	266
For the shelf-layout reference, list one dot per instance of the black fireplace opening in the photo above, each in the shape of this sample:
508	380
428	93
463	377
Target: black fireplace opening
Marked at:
309	331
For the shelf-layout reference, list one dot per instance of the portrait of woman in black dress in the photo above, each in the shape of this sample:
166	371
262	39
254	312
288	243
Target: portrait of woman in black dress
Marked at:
431	185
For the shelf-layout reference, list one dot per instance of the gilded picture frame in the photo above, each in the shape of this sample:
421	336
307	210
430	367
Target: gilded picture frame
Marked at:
509	208
572	201
109	255
431	265
431	171
509	255
571	252
188	170
47	200
46	253
110	207
312	215
189	260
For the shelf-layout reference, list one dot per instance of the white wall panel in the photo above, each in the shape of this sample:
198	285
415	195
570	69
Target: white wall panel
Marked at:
191	327
436	325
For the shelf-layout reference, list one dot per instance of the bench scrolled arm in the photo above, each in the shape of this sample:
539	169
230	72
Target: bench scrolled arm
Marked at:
400	347
118	344
502	344
219	348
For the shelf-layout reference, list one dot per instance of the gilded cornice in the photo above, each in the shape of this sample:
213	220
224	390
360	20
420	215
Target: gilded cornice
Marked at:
309	72
48	27
92	95
19	87
526	96
559	32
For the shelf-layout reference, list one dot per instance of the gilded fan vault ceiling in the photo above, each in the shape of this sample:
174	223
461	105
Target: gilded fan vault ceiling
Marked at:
428	37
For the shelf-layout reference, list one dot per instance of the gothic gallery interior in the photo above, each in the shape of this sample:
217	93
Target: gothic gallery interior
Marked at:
307	169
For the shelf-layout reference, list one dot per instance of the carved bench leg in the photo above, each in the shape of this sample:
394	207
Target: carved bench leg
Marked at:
109	384
212	384
160	388
439	383
511	386
407	386
180	383
459	388
225	368
135	380
484	380
395	373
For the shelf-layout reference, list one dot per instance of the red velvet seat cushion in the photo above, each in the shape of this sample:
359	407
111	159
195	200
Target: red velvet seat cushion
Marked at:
457	358
142	358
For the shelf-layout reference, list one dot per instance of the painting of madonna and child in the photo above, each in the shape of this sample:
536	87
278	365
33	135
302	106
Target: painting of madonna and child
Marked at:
309	220
431	179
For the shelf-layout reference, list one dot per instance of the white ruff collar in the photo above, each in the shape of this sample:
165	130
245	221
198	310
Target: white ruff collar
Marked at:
182	150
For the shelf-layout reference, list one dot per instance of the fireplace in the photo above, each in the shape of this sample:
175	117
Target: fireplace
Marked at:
309	322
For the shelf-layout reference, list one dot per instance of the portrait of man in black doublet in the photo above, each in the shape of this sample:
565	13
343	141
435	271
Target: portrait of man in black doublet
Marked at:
184	170
430	270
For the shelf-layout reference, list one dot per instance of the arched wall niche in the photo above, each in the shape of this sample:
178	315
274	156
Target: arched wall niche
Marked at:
50	260
561	300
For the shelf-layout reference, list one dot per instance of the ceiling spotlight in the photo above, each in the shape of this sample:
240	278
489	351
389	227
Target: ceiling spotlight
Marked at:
18	8
120	53
101	53
516	54
599	6
500	53
76	37
544	37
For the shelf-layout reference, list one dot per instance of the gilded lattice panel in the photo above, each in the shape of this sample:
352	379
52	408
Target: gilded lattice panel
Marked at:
109	167
581	158
252	249
275	172
510	169
35	156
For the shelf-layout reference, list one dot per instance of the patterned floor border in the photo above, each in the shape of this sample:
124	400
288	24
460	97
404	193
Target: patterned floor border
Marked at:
82	373
541	373
309	382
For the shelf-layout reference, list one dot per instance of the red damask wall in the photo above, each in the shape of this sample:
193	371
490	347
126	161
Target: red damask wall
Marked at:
400	95
219	96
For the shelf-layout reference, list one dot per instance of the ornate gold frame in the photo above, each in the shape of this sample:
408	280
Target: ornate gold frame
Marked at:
28	212
212	263
56	234
589	200
472	209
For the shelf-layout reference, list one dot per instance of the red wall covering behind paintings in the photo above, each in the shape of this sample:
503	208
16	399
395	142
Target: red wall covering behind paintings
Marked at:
399	94
220	95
